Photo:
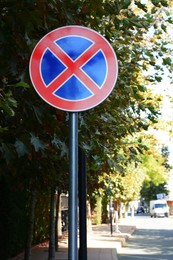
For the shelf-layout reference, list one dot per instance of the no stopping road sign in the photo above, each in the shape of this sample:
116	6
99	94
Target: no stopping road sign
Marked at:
73	68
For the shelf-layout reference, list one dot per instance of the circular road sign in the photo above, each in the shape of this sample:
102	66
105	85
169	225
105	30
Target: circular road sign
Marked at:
73	68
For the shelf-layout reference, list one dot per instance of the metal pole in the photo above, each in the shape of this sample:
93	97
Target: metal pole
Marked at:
111	228
73	187
82	206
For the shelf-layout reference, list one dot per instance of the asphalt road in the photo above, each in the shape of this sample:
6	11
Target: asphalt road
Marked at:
153	239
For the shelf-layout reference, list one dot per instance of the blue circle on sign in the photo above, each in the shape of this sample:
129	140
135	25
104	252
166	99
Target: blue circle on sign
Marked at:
73	88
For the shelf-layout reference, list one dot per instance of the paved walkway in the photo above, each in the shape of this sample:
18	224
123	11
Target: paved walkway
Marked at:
101	245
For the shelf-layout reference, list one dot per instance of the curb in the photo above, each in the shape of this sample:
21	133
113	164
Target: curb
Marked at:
125	238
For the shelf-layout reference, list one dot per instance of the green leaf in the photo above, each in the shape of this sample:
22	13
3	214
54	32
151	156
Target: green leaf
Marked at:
7	103
167	61
20	148
164	27
7	152
60	145
164	3
39	113
37	143
170	20
142	88
22	84
141	6
156	2
125	4
2	129
6	107
159	79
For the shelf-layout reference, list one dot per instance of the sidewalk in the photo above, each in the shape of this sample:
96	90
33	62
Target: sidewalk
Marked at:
101	245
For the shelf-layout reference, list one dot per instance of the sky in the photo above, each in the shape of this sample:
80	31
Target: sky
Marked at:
165	88
167	110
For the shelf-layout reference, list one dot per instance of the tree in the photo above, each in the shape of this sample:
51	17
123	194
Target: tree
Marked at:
144	170
30	226
157	178
150	190
33	136
130	107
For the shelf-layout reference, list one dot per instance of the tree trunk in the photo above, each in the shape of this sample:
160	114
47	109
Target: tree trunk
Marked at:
59	224
99	211
51	255
57	234
30	226
88	214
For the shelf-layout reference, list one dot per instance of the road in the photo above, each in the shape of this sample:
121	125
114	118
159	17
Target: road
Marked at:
153	239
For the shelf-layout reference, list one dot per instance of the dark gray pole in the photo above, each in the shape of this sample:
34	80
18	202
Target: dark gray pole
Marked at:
82	206
111	210
111	219
73	187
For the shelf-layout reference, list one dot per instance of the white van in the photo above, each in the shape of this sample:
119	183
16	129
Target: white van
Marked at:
159	208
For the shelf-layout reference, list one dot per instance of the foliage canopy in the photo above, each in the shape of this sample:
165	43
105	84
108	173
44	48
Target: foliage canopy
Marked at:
34	136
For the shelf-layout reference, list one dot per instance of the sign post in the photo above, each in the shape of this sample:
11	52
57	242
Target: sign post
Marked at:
73	68
73	184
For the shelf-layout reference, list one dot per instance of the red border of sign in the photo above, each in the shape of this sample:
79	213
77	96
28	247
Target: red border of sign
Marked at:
67	105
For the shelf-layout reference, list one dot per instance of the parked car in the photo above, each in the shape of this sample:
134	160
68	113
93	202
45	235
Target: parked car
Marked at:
140	209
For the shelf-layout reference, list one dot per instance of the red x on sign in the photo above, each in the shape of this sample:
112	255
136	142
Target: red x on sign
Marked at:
73	68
